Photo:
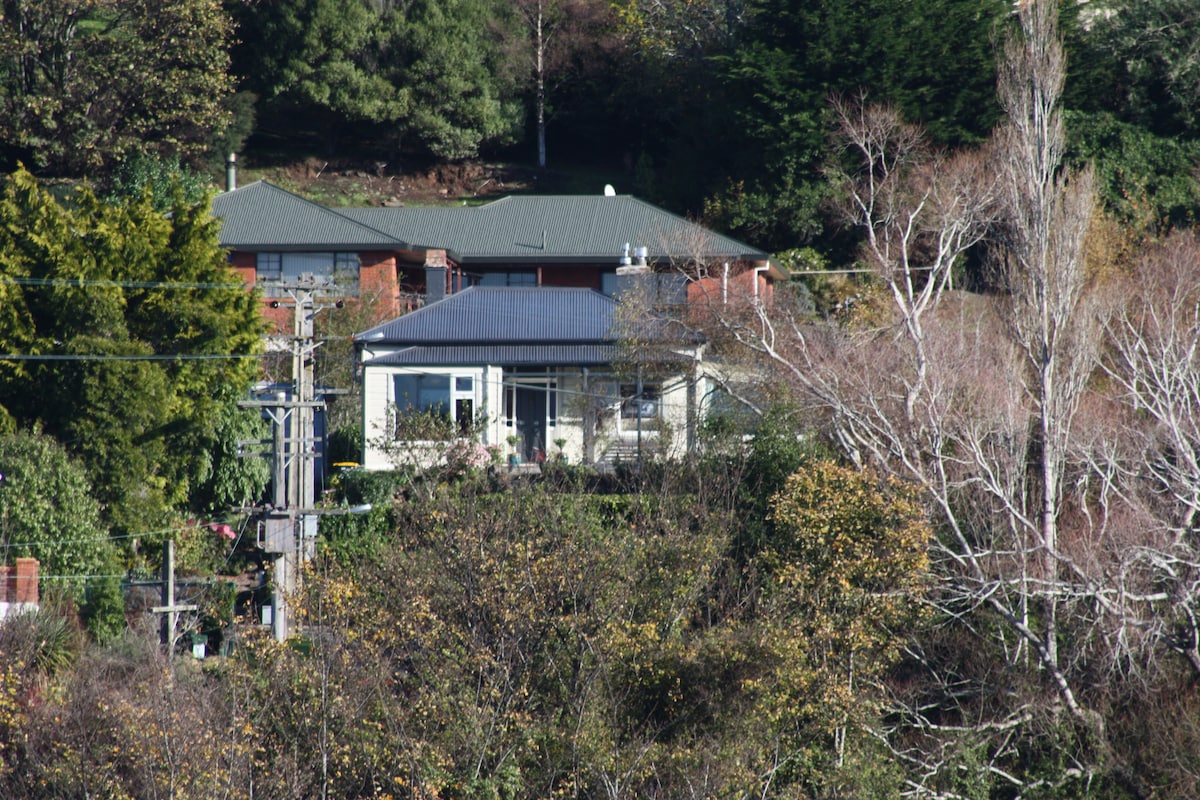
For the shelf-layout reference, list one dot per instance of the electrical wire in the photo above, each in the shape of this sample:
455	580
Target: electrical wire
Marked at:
111	284
41	577
123	575
138	535
151	357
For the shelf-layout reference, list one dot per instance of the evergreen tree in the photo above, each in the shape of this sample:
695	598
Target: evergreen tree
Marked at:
127	336
932	58
84	82
321	60
447	57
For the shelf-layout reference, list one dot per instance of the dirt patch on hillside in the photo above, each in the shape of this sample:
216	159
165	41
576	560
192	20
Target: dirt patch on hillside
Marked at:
355	184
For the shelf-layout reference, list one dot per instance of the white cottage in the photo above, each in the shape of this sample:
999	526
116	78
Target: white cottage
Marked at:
534	372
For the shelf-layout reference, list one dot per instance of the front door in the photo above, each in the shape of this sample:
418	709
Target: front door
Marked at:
530	416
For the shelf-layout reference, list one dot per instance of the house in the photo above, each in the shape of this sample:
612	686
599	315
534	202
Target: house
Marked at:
535	372
400	258
501	315
276	239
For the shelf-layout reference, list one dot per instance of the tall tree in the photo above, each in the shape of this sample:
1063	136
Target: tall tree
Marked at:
1045	554
126	337
558	36
932	59
318	57
89	81
430	77
449	60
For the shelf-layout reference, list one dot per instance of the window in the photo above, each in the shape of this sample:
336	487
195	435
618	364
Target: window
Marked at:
643	405
423	394
431	406
661	289
320	267
301	265
345	267
269	266
464	414
507	279
726	414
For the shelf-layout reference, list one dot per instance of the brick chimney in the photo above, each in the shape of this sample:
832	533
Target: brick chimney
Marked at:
26	583
19	587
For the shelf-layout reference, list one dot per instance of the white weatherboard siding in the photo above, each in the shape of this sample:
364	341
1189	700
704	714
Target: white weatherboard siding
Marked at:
608	401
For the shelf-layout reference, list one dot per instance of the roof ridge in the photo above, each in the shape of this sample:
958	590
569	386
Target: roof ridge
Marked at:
338	214
322	207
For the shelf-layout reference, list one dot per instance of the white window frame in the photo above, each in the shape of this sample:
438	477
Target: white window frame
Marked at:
458	393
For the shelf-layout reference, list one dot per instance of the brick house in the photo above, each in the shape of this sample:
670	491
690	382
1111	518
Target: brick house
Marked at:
401	258
504	310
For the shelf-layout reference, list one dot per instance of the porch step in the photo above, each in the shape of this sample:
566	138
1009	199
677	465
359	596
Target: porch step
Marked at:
626	452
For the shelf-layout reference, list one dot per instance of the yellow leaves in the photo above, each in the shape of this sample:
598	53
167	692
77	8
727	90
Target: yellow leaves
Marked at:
848	529
850	564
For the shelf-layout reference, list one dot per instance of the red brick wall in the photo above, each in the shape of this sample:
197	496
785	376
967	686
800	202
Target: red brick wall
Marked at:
19	584
379	285
377	279
740	288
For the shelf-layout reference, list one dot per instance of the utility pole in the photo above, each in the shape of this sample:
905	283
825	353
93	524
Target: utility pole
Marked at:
169	606
290	524
302	484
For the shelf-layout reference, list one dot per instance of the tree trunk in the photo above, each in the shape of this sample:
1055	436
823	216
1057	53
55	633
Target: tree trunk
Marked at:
539	75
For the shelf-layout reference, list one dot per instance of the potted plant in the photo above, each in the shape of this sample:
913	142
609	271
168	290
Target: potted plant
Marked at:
514	456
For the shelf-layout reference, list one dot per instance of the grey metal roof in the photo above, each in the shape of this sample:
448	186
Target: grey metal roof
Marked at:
554	228
261	216
503	316
580	355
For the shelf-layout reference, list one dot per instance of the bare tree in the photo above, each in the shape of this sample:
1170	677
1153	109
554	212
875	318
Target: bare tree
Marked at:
561	34
1047	210
974	398
919	211
1153	361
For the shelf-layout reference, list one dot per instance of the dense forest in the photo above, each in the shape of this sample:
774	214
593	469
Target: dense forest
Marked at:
639	91
941	544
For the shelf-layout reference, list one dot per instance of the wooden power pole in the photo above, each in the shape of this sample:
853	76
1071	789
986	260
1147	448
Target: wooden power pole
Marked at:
290	524
169	608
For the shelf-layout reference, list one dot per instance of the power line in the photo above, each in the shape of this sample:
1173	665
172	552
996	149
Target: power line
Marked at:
108	357
79	577
137	535
111	284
